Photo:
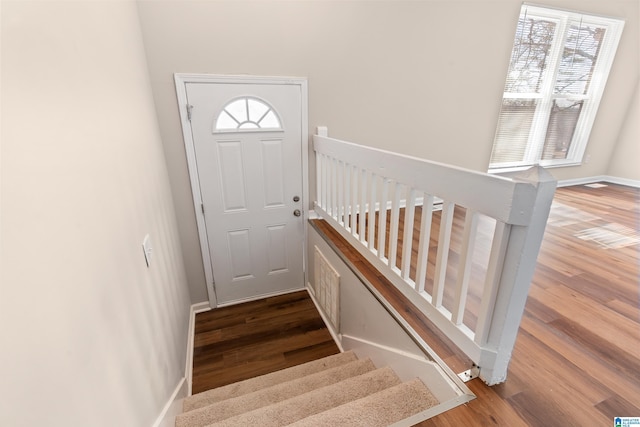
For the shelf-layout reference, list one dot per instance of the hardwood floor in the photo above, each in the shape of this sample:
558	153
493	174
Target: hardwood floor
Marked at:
246	340
577	358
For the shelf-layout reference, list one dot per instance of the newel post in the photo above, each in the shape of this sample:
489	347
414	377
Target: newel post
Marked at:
518	268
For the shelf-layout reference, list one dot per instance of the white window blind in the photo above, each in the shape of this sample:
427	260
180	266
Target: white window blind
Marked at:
557	72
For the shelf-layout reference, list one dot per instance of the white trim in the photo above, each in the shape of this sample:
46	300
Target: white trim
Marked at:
259	297
623	181
181	93
181	79
305	141
334	334
188	370
173	407
580	181
599	178
200	307
558	163
409	365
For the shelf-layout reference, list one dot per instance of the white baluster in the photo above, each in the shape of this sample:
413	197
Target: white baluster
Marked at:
464	266
325	183
353	204
444	240
382	220
492	281
363	206
348	206
339	191
423	244
372	210
407	239
319	184
334	188
394	226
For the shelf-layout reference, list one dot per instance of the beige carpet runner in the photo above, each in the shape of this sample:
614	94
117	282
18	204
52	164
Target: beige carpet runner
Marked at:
339	390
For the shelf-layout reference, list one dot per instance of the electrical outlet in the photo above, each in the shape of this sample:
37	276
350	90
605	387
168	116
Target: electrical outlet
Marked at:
148	250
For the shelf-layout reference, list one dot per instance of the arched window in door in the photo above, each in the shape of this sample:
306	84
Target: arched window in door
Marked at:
246	114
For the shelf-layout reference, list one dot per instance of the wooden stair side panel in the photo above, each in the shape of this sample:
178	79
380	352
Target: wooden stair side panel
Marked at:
316	401
271	395
250	385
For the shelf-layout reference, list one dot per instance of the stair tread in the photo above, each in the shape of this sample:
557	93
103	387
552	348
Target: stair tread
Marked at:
270	395
250	385
380	409
315	401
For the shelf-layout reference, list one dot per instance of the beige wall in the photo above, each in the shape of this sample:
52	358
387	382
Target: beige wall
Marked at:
418	77
90	335
625	160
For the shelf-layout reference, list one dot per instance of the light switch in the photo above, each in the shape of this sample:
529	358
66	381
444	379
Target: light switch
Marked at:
148	250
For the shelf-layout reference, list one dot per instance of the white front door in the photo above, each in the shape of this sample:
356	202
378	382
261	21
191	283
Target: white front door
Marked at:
247	141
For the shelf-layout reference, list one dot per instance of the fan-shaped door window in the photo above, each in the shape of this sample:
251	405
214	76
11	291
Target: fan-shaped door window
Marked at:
247	114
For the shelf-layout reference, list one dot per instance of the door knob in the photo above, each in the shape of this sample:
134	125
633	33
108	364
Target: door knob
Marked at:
296	212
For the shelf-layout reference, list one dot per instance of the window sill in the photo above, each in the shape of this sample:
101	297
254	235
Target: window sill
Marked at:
498	171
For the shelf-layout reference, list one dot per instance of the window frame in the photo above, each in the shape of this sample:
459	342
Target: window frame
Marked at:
239	129
546	96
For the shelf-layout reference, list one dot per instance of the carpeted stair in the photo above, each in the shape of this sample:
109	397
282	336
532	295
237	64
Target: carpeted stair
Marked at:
339	390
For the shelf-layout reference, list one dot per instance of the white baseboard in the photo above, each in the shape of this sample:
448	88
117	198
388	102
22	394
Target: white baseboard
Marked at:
580	181
259	297
599	178
188	370
623	181
173	407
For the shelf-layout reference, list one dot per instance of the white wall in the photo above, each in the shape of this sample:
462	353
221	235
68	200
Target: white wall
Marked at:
90	336
625	160
418	77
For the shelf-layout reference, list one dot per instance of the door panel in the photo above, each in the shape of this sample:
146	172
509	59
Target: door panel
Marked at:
272	167
248	178
240	250
277	248
232	174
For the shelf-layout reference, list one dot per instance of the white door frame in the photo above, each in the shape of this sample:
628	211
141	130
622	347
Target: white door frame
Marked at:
181	79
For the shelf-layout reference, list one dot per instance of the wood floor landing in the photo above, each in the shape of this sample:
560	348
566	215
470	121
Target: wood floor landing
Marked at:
246	340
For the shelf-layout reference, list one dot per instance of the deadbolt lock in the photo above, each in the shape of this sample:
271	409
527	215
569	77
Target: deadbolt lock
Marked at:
296	198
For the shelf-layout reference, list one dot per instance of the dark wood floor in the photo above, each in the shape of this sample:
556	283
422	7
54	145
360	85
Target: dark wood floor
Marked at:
246	340
577	358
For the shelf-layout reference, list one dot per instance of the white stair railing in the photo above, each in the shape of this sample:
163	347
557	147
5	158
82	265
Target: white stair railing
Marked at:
494	253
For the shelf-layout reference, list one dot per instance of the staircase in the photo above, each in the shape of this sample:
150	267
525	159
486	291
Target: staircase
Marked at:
339	390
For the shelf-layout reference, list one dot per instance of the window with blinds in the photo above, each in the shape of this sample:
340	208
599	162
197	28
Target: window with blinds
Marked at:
557	72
